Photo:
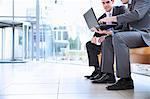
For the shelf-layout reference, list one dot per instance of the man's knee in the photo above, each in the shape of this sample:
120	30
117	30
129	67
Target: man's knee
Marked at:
117	38
88	43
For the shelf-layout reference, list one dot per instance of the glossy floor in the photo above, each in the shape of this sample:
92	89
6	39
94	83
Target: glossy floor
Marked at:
39	80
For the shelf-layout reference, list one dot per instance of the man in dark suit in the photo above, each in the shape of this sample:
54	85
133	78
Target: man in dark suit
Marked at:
92	48
138	17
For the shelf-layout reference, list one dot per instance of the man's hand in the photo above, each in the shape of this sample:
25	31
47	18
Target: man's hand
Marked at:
98	40
108	32
93	29
108	19
101	39
93	40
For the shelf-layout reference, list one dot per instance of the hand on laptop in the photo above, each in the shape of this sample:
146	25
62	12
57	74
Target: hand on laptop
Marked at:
93	29
108	19
108	32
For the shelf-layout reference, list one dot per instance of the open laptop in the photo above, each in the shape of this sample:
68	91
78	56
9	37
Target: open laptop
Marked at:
91	21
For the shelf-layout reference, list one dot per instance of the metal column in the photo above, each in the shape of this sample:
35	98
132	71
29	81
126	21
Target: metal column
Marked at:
37	30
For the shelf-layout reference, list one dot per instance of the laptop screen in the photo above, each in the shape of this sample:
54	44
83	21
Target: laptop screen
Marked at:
90	18
91	21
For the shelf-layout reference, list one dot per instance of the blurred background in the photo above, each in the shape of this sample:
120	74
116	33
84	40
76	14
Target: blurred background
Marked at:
45	30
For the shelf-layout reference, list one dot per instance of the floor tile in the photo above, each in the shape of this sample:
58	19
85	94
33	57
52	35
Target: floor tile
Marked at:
101	95
29	89
29	96
41	80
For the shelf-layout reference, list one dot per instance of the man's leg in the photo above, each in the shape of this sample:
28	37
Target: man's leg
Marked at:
107	62
93	51
107	55
122	42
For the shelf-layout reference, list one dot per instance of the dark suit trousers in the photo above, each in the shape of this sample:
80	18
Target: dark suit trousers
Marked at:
93	51
119	45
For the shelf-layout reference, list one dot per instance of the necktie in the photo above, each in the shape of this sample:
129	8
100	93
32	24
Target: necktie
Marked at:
109	15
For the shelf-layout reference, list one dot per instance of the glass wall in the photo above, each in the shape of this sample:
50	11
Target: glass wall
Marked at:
48	30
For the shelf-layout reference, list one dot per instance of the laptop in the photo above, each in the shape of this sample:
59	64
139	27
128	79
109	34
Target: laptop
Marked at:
91	21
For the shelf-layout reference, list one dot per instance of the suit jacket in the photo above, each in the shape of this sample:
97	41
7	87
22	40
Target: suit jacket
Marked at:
138	17
117	10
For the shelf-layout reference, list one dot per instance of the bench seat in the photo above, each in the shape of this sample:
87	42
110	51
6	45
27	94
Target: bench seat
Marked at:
140	55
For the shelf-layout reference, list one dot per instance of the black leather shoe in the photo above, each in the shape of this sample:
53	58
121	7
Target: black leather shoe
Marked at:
87	77
106	78
98	76
92	75
121	84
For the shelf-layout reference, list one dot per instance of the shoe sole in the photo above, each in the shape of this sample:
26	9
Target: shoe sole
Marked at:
125	88
103	82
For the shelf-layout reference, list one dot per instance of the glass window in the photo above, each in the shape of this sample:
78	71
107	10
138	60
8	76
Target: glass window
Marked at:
62	28
59	35
6	8
65	35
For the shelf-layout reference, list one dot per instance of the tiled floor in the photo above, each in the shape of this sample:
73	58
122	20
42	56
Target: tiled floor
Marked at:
39	80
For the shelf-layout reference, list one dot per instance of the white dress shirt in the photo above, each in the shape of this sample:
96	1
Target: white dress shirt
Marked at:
109	14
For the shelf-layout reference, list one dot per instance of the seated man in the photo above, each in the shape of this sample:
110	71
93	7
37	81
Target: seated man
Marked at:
138	17
92	48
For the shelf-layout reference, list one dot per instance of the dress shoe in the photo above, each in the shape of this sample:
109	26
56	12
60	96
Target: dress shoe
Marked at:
121	84
98	76
87	77
106	78
92	75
